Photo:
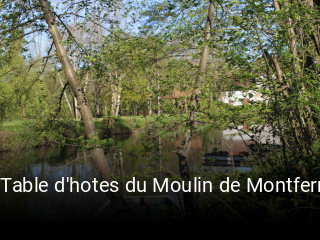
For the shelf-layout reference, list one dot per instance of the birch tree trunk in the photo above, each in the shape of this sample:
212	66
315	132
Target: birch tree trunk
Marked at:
97	154
86	82
149	106
113	95
158	89
149	97
65	96
76	110
118	100
119	94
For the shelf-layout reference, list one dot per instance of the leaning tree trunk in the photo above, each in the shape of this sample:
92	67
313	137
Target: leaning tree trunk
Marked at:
193	108
194	101
97	154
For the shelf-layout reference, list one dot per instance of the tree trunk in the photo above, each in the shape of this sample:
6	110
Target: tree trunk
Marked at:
149	98
65	96
113	96
149	106
24	109
183	153
158	89
160	155
97	154
76	109
118	99
194	101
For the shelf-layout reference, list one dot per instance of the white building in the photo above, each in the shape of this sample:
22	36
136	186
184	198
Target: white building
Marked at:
236	98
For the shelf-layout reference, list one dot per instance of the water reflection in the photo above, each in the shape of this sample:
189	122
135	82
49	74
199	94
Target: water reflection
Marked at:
51	164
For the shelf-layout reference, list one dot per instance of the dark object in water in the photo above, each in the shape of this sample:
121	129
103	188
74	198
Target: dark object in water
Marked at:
223	158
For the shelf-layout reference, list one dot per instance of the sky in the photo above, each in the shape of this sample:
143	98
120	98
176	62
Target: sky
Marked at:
40	42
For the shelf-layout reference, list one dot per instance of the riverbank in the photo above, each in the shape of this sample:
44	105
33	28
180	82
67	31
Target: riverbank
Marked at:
21	134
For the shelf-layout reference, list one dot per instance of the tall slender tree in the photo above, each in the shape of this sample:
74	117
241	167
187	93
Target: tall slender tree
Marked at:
90	130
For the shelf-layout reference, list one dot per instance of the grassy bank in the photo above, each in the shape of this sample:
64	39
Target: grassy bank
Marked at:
124	124
17	134
20	134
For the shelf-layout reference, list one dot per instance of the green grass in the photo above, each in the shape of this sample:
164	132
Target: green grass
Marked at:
128	122
17	134
13	125
22	129
136	122
132	123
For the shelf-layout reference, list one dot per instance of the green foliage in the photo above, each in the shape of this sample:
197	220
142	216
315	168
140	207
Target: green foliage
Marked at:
152	68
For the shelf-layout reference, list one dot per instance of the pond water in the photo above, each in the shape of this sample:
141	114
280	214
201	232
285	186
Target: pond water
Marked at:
131	158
